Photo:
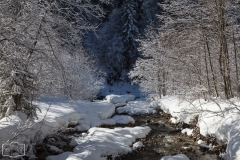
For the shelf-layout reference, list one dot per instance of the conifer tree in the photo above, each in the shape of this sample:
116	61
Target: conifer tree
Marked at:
130	30
16	87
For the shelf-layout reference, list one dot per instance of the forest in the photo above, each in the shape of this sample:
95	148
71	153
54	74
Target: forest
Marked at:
74	69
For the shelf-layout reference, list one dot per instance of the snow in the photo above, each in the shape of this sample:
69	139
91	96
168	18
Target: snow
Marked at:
57	115
137	145
119	99
188	131
203	144
187	148
123	119
120	104
173	120
82	127
216	117
120	88
209	114
229	130
102	142
176	157
89	122
137	108
177	108
9	126
169	138
56	149
61	114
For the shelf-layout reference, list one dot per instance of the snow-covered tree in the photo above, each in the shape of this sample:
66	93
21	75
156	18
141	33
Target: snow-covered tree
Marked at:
211	19
130	30
38	40
16	87
149	70
115	46
115	43
110	47
198	49
148	14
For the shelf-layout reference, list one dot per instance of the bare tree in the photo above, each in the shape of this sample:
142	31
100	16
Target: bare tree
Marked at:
198	43
40	45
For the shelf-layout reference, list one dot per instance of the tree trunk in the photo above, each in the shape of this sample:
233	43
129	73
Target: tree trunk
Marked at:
224	57
164	90
159	89
206	65
211	67
236	63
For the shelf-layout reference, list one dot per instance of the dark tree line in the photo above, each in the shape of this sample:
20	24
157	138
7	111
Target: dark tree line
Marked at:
115	43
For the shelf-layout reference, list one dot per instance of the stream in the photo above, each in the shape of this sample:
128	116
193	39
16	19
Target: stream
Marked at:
163	140
166	139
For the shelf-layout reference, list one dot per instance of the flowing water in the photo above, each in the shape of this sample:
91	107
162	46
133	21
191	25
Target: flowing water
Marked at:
164	139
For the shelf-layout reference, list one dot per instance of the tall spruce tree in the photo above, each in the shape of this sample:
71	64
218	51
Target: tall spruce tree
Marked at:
130	31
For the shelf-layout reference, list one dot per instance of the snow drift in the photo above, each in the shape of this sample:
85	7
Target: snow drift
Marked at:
216	117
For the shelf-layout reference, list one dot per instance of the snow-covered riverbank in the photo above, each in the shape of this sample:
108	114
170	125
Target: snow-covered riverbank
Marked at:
219	118
57	115
216	117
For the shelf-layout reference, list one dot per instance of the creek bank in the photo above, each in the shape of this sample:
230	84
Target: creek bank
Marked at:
164	139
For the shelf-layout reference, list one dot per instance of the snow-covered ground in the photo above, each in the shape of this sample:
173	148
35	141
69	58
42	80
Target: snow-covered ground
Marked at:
102	142
137	145
121	88
176	157
216	117
57	114
119	99
138	108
